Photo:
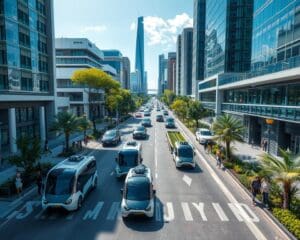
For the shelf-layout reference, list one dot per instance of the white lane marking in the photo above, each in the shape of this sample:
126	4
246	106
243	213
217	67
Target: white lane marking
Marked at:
168	212
155	153
112	173
240	211
187	180
200	208
253	228
187	211
93	214
220	212
114	211
40	214
5	213
29	209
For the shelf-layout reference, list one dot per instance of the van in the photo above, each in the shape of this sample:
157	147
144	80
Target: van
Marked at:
68	183
128	157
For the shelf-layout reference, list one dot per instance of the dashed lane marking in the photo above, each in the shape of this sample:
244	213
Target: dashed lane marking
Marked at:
187	180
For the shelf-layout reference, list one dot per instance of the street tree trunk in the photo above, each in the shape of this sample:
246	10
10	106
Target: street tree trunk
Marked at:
228	151
67	136
286	195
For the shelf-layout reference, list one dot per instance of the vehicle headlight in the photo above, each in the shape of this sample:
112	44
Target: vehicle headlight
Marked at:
148	208
126	208
69	201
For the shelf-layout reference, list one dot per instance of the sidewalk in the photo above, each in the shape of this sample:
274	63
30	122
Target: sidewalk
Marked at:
56	146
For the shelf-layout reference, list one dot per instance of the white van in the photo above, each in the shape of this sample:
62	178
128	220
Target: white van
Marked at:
129	157
68	182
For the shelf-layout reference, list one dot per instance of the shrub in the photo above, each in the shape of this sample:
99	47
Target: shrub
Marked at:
228	165
289	220
245	180
238	169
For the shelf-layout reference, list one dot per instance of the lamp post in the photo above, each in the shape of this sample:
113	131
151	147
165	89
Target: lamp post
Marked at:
269	122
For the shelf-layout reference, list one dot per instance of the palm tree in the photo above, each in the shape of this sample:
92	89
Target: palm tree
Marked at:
84	125
285	170
228	129
66	123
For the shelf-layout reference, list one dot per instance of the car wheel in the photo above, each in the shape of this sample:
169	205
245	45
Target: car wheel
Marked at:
79	203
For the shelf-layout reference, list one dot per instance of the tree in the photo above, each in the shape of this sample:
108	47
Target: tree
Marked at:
66	123
95	78
228	129
285	170
195	111
180	108
30	153
84	124
168	97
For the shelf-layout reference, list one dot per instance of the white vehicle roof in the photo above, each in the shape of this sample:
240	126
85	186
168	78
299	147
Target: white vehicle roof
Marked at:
203	129
74	162
140	171
134	145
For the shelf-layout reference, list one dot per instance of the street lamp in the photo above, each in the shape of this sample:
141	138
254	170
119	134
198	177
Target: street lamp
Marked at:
269	122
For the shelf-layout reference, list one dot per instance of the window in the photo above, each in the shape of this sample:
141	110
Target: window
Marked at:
26	84
3	82
23	17
25	58
24	38
40	7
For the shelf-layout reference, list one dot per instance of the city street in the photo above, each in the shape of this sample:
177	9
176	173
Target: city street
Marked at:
201	203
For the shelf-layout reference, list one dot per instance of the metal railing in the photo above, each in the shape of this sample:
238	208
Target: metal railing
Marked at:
209	105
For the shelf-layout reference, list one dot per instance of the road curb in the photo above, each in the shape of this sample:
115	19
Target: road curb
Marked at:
267	212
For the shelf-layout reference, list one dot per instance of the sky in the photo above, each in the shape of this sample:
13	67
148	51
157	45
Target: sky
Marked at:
111	24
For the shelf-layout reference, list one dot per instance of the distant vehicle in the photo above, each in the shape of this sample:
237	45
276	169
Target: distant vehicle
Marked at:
138	193
147	113
142	109
165	112
139	132
138	115
158	109
68	183
146	122
159	118
183	152
170	123
111	137
204	135
128	157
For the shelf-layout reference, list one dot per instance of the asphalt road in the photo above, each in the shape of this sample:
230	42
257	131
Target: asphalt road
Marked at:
203	203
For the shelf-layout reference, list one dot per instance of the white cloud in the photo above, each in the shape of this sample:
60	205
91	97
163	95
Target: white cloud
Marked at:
165	31
97	29
133	26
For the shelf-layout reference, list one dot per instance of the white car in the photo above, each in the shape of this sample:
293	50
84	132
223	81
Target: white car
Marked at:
138	194
204	135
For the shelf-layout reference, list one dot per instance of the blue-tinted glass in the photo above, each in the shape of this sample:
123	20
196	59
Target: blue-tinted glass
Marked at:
11	9
12	35
32	4
32	20
13	56
14	79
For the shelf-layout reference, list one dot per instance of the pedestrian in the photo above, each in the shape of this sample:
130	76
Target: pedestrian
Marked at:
252	143
265	145
205	146
39	182
219	161
255	188
19	183
46	147
265	189
85	140
209	147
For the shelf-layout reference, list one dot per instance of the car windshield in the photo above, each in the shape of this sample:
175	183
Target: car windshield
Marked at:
206	133
137	189
110	134
60	182
128	158
140	129
170	120
185	152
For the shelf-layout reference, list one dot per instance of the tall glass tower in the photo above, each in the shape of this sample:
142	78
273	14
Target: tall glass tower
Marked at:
139	55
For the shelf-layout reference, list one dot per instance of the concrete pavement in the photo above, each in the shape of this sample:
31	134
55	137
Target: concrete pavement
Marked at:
211	206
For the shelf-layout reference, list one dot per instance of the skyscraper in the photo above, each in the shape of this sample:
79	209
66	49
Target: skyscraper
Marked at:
186	61
198	44
139	55
162	66
178	66
171	78
27	72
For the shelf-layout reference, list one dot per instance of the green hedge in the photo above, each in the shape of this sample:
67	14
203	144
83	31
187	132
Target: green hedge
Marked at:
289	220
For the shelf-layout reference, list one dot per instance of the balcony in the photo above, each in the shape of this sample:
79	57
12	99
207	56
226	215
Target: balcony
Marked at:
209	105
291	113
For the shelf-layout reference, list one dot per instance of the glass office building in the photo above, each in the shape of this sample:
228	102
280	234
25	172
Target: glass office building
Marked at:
26	69
271	87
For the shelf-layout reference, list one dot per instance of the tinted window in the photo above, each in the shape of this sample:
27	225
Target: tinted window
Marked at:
140	129
206	133
60	182
129	159
185	152
138	189
110	134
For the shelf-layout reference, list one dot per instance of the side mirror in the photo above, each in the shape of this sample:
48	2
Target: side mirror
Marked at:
142	160
122	190
194	153
154	191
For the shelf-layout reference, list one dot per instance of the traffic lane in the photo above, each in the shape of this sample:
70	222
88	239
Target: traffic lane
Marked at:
108	192
184	201
265	225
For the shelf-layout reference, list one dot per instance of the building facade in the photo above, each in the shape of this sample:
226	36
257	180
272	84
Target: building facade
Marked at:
186	62
126	73
139	55
171	78
27	71
134	82
74	54
198	45
178	66
271	88
162	73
